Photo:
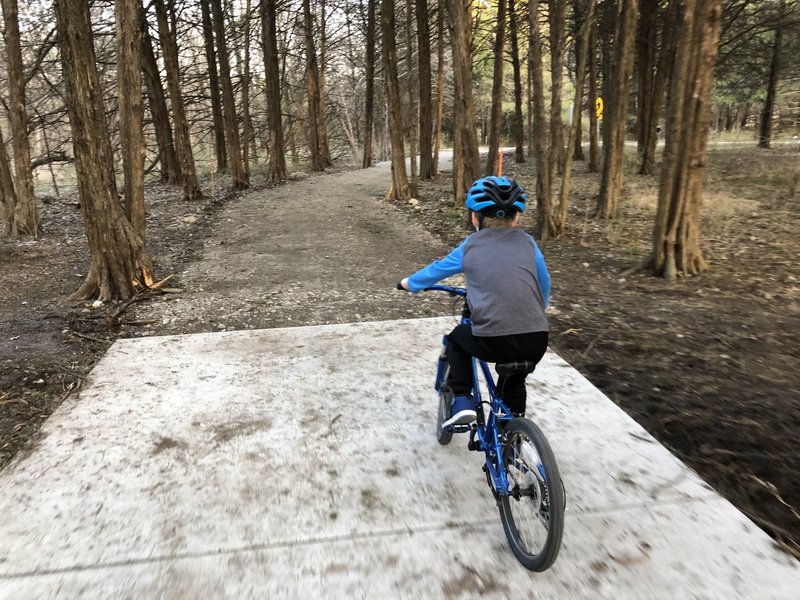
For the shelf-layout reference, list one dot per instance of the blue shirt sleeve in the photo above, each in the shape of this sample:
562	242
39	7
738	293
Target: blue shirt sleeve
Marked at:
542	274
438	270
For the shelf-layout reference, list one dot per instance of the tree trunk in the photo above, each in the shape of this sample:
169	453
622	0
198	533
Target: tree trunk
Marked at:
425	107
24	215
646	43
318	159
412	121
131	110
240	179
8	197
400	190
594	151
170	172
616	111
663	70
579	10
437	128
517	127
248	134
369	110
581	47
544	220
183	143
277	154
497	89
676	236
466	157
119	264
558	9
213	82
765	131
323	125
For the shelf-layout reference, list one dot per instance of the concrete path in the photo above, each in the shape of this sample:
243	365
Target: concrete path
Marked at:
302	462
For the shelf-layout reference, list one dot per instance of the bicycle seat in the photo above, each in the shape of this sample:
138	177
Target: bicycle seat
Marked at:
512	368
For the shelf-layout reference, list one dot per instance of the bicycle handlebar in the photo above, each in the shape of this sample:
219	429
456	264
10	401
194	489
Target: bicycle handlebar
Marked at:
453	291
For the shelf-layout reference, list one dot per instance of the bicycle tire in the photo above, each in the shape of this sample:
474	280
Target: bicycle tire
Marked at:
543	492
445	399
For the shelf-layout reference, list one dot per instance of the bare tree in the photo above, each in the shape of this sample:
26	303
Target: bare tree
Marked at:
119	263
131	110
369	116
581	47
466	158
616	110
170	171
269	40
765	129
497	89
544	183
218	121
517	127
320	160
425	106
400	189
183	143
437	126
676	235
22	214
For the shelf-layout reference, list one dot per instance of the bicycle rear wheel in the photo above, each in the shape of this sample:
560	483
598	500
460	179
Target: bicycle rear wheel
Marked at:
445	400
533	512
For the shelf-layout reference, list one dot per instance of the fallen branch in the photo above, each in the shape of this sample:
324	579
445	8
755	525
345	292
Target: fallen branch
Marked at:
89	337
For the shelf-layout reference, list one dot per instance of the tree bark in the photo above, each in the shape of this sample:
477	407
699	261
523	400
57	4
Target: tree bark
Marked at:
183	143
437	127
544	216
170	172
616	112
765	130
646	43
497	89
676	235
594	151
558	9
24	215
466	157
119	263
369	109
269	37
131	110
319	160
425	106
662	76
581	47
412	122
248	134
579	17
218	120
518	125
241	181
400	189
8	197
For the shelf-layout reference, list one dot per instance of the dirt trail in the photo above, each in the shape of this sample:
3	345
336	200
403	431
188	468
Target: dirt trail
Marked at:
326	249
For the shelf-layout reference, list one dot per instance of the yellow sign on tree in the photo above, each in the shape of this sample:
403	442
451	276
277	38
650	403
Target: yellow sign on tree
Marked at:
598	108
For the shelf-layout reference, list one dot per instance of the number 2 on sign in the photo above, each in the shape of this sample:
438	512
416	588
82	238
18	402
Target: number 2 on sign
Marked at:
598	108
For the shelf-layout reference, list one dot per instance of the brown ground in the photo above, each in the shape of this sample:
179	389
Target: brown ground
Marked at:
709	364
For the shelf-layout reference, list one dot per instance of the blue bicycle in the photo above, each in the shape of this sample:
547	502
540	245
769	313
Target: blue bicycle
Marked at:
520	467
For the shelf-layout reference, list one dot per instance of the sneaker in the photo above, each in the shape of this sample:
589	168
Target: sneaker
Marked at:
462	411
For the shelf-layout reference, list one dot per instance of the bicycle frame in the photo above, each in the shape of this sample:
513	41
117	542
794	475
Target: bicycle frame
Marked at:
486	428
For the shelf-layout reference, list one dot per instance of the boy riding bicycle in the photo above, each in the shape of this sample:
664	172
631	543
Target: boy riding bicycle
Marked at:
508	290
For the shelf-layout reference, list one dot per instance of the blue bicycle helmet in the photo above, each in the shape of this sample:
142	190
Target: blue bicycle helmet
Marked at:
496	196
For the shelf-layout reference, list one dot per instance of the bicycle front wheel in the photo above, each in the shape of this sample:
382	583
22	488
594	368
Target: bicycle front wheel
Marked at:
533	511
445	399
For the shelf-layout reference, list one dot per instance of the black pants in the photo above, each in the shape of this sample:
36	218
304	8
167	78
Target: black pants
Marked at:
463	346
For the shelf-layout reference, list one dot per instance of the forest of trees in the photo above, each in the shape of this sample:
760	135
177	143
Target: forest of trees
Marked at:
127	91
